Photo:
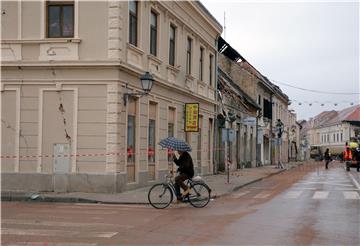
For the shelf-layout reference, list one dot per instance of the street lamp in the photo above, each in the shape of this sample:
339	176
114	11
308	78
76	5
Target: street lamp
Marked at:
147	82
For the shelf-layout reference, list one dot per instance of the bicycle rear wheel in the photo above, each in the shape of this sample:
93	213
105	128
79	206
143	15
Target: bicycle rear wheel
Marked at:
199	195
160	196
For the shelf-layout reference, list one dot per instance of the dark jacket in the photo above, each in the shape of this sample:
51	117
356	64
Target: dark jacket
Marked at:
357	155
327	156
185	164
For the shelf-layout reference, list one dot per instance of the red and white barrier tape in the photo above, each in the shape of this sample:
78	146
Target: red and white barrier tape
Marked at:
88	154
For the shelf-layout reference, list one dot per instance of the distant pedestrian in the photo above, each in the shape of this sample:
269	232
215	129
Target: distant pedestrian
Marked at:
357	158
327	158
348	156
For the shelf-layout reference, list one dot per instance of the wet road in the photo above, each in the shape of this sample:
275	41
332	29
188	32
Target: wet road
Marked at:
303	206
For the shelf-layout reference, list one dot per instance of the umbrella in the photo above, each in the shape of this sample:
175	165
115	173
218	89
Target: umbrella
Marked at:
175	144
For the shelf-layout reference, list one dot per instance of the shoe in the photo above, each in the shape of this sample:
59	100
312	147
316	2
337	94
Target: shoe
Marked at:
178	199
185	192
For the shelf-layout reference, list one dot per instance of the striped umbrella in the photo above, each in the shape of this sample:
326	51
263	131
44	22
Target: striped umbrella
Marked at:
175	144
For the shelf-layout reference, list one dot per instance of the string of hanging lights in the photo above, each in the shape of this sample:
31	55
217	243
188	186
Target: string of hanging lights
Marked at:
321	103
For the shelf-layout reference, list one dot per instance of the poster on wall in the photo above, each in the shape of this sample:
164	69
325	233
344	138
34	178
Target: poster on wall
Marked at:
192	117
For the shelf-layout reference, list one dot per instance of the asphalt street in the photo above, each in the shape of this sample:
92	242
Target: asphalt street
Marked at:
302	206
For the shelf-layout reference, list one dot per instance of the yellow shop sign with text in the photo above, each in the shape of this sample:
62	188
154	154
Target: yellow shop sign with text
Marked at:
192	117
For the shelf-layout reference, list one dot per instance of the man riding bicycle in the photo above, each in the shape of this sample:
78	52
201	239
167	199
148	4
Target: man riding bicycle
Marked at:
185	170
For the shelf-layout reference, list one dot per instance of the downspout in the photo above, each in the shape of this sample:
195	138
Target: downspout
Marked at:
216	109
257	157
271	132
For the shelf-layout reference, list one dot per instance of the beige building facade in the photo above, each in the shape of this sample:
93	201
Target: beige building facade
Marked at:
65	125
280	111
333	129
293	137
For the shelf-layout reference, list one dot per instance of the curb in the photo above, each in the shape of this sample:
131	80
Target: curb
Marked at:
8	196
249	183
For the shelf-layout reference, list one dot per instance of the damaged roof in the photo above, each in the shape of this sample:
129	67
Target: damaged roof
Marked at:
224	78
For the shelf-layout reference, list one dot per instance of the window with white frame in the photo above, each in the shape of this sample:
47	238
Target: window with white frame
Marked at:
60	19
133	16
211	58
153	33
188	55
172	45
201	64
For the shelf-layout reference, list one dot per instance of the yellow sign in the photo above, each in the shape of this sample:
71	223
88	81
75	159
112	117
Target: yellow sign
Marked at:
192	117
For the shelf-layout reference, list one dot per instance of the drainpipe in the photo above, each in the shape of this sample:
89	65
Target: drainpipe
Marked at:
216	109
256	139
271	132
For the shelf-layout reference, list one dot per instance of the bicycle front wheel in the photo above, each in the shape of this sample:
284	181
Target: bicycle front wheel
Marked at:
160	196
199	195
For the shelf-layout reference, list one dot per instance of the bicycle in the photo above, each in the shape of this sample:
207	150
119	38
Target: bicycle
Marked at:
161	195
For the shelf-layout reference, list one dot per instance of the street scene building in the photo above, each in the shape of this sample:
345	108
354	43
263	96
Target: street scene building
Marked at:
63	86
76	116
177	123
332	129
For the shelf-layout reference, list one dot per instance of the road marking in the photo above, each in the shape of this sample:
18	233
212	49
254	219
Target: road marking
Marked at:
354	181
238	195
320	195
303	188
293	194
50	244
115	205
262	195
58	223
55	233
326	183
353	195
92	212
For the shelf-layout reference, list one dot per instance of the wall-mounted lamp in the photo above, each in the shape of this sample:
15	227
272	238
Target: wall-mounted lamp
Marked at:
147	81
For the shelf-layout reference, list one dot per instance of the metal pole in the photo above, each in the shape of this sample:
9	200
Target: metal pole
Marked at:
216	152
256	141
271	143
228	163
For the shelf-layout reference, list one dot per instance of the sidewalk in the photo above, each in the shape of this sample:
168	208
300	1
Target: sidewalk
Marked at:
218	184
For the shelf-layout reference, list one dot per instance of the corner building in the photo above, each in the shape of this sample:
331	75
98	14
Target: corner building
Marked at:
65	68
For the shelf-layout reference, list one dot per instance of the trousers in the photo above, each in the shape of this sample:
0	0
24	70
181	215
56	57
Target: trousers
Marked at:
179	182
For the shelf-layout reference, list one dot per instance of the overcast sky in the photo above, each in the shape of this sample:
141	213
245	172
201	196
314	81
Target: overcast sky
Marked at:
304	44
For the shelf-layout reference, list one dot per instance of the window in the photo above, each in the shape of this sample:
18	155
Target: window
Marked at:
211	69
201	63
151	143
337	137
172	45
133	12
153	34
60	20
188	56
199	146
171	130
131	139
341	136
209	141
152	136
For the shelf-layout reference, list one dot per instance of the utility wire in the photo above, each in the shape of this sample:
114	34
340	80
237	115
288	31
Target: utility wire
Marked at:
317	91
